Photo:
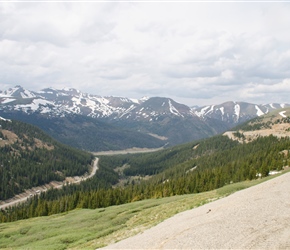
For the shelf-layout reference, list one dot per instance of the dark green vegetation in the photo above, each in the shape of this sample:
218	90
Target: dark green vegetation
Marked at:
29	158
87	133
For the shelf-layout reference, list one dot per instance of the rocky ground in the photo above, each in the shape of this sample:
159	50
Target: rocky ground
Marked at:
254	218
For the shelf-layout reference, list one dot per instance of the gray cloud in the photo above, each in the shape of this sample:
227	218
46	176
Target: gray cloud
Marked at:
197	53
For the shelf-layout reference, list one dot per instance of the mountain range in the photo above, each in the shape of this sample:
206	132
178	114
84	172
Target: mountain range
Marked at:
99	121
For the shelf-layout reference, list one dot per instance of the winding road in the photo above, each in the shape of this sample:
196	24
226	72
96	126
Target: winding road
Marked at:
55	184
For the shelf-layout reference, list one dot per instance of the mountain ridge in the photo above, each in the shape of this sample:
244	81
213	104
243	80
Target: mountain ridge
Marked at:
161	116
70	100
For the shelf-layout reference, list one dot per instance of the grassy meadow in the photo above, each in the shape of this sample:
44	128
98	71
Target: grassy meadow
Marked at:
91	229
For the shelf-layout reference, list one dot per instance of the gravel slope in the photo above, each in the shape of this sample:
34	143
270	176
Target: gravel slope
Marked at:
254	218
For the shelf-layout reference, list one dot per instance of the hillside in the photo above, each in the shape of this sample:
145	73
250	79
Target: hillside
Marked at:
254	218
96	228
276	123
87	133
30	158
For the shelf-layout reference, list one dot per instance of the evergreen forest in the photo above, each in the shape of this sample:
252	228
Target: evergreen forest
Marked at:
30	158
190	168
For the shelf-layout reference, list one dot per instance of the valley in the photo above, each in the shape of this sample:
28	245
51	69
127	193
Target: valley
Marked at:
128	151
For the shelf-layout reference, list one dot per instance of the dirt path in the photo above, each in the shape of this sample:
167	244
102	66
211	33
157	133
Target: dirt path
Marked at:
55	184
254	218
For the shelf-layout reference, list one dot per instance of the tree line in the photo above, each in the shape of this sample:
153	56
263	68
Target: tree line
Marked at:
191	168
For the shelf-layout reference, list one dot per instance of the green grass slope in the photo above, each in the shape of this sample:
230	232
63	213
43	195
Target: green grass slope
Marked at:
91	229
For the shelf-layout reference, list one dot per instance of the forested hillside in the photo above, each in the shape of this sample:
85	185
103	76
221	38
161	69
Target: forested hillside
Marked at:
191	168
86	133
30	158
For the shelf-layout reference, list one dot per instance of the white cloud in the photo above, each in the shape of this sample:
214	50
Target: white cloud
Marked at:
200	53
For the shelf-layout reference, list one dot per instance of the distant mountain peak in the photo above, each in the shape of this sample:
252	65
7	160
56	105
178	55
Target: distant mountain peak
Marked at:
54	102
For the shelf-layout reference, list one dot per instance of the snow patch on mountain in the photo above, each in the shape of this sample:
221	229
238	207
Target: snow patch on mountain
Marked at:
135	100
35	105
204	111
237	111
27	94
11	91
3	119
102	100
144	98
259	111
7	100
282	113
128	111
173	110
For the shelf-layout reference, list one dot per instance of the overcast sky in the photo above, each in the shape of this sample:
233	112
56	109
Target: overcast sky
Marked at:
196	53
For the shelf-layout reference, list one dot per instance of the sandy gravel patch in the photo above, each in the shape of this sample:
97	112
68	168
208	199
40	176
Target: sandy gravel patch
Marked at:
254	218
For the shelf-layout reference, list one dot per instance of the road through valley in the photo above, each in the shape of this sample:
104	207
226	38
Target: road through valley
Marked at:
55	184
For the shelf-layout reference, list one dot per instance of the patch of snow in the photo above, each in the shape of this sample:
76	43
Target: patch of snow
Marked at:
134	100
76	100
274	172
282	113
3	119
173	110
90	103
204	111
144	98
237	111
102	100
190	170
259	111
272	106
128	110
222	109
283	105
36	103
11	91
27	94
7	100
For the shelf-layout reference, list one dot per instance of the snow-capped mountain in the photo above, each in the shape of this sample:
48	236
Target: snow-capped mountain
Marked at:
68	101
158	116
236	112
60	102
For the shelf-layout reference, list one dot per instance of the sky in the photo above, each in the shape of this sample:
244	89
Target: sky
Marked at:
197	53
